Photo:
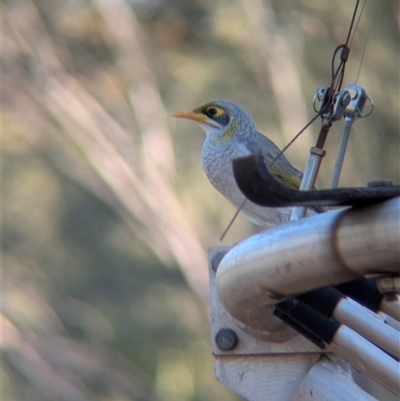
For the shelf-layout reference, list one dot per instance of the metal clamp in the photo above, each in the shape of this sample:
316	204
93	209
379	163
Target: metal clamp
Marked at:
338	104
358	99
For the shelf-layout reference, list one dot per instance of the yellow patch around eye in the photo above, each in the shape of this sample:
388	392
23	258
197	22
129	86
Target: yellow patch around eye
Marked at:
219	112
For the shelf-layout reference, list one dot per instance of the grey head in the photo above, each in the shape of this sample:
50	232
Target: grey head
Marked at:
221	119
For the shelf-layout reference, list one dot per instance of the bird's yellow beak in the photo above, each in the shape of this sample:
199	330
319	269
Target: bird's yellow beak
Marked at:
198	117
191	115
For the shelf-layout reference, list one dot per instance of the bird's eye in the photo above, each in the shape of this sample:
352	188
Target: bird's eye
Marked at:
212	111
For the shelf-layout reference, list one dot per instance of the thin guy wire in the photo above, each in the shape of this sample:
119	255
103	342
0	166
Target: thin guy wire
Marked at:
367	37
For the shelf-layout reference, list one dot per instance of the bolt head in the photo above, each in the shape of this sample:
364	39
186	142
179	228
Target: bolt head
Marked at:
320	94
226	339
346	99
353	93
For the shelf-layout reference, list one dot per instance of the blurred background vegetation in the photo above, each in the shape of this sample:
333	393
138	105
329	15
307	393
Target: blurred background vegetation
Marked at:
107	214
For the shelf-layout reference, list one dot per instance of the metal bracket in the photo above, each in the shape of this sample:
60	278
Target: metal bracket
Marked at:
359	97
250	361
338	104
259	186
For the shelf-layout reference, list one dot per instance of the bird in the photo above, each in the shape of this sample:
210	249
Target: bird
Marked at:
231	133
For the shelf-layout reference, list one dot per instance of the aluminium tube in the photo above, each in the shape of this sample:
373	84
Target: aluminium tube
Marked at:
317	251
331	303
366	323
367	358
308	181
